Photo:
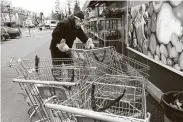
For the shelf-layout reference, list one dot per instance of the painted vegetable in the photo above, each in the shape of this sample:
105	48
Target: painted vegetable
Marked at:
129	42
146	30
150	10
178	12
153	43
135	43
157	51
174	53
174	39
157	5
145	47
139	27
163	58
179	46
163	50
167	24
149	54
169	47
134	39
181	61
149	26
139	48
131	26
156	57
175	2
153	22
175	60
169	62
177	67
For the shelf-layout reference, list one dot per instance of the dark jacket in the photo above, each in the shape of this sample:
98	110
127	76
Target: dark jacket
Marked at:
67	30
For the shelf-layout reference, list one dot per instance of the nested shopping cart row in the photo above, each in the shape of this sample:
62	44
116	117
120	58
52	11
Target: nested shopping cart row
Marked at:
99	83
108	98
108	57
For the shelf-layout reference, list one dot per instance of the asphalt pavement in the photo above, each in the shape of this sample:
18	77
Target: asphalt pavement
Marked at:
13	105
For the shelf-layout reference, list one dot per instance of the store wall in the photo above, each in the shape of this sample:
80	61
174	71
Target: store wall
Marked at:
162	78
146	46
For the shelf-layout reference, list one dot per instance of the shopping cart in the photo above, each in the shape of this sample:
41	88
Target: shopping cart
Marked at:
108	57
82	69
39	91
40	80
109	98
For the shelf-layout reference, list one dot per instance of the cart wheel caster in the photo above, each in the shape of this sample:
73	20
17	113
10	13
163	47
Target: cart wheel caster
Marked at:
30	111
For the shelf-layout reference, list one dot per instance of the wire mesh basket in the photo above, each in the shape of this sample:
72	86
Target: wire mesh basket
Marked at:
108	98
108	57
61	70
43	78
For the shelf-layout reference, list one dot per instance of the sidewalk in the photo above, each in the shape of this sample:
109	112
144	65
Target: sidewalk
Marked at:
33	32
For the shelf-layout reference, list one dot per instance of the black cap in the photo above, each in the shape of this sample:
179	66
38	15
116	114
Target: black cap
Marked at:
79	14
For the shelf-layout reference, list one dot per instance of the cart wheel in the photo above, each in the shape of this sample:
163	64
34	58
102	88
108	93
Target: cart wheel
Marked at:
30	111
3	38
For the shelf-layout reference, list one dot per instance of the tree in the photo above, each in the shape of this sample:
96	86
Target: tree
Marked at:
62	15
58	10
69	7
41	17
54	15
65	13
76	7
4	4
57	6
4	10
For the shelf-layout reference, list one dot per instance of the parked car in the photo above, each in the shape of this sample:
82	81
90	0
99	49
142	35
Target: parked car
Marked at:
4	34
13	32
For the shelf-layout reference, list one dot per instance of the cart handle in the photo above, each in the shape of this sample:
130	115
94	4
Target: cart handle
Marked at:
47	100
47	82
90	114
11	62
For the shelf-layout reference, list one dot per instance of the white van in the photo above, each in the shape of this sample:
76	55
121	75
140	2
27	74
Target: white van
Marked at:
53	23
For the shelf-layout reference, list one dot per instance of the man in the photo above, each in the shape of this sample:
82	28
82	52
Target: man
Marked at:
65	33
63	37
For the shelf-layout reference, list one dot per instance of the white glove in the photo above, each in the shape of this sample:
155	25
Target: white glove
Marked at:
63	47
89	44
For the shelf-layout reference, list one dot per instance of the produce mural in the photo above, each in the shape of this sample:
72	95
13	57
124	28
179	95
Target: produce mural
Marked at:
156	30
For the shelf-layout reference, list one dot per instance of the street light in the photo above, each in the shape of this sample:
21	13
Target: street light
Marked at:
8	6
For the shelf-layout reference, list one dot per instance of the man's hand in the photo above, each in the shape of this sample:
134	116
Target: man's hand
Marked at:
89	44
63	47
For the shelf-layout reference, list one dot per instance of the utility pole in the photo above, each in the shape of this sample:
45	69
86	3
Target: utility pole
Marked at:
9	11
41	17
